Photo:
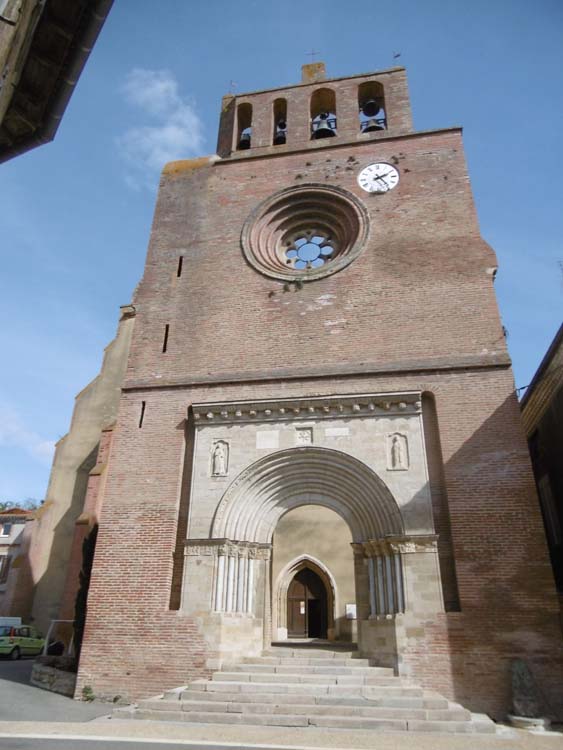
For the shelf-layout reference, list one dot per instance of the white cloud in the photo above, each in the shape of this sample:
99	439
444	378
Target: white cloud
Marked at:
15	434
177	132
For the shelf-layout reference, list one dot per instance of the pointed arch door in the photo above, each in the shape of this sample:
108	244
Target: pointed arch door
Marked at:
307	606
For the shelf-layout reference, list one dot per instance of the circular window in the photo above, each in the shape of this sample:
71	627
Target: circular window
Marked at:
306	232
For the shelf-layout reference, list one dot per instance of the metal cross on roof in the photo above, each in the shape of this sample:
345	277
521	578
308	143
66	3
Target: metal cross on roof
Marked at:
313	53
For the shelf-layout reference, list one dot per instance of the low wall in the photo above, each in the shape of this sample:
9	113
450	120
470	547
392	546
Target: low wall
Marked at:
55	680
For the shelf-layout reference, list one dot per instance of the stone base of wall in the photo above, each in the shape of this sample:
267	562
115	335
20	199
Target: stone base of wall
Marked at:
55	680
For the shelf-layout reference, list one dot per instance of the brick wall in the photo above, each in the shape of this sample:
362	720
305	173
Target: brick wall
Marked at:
415	311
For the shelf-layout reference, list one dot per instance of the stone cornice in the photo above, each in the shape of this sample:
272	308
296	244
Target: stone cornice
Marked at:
343	370
300	409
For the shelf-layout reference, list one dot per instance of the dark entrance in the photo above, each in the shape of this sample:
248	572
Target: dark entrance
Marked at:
307	606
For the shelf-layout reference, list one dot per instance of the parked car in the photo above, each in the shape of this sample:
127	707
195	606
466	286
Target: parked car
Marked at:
20	641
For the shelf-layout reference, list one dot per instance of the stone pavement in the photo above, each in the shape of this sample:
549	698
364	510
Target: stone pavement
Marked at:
218	737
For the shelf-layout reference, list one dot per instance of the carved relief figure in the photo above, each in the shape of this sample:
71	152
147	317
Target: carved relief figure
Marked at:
220	459
398	452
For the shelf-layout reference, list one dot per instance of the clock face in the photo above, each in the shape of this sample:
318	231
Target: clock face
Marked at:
378	178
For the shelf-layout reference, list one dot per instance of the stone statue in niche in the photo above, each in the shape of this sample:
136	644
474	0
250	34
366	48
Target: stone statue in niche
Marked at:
398	452
220	459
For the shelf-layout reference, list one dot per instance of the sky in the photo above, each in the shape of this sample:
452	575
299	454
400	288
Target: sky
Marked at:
76	213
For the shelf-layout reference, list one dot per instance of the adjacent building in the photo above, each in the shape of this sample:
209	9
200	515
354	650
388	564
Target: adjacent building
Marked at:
542	416
44	46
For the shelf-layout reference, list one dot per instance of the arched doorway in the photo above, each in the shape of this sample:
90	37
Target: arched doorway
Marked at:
245	521
307	606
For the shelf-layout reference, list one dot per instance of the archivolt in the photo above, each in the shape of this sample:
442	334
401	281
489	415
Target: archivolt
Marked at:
252	505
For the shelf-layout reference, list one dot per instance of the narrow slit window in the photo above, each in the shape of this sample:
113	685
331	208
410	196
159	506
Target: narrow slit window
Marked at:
165	342
142	415
180	263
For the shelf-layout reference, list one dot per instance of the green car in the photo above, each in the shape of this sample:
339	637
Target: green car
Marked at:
22	640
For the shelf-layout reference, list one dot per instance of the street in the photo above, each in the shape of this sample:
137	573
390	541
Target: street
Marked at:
20	701
73	743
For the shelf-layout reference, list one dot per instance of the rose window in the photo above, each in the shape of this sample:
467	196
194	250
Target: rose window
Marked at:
307	232
309	251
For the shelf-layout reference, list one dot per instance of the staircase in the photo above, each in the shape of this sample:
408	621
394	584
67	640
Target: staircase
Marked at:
305	686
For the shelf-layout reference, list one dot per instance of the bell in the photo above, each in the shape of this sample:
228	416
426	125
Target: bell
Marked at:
280	136
244	141
370	107
371	126
323	129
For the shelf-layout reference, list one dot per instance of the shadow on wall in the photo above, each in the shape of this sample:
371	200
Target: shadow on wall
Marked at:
49	588
508	605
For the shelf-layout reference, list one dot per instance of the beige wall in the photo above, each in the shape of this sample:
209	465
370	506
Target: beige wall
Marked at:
75	456
321	534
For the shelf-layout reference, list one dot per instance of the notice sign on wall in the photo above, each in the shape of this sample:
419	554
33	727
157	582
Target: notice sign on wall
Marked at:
350	611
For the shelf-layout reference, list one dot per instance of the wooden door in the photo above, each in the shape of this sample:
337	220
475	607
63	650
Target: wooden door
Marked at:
307	606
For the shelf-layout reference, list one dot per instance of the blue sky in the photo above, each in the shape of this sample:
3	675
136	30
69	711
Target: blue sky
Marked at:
76	214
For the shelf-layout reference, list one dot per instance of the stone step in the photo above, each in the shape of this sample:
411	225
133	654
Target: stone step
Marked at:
311	679
386	701
301	653
292	686
368	691
307	662
336	722
452	713
312	669
279	720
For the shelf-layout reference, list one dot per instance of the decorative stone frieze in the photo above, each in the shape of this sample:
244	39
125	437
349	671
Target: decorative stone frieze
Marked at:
227	548
327	407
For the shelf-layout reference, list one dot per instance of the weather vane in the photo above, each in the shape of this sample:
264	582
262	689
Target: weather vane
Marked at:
232	87
312	53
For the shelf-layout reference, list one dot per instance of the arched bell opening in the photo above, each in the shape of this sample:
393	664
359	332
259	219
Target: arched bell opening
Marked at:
244	126
371	106
279	136
323	114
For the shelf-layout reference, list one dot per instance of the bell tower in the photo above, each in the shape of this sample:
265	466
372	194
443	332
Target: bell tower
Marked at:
318	359
295	117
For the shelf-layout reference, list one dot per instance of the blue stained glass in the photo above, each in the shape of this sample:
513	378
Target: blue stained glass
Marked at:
318	262
318	240
300	241
309	251
327	250
291	253
300	264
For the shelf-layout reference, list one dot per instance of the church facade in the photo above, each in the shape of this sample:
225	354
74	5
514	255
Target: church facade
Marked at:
318	434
